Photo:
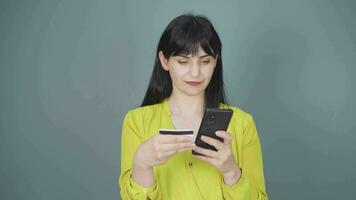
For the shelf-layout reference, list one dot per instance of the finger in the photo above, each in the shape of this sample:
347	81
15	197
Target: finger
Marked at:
185	149
175	138
213	142
166	154
177	146
206	152
227	136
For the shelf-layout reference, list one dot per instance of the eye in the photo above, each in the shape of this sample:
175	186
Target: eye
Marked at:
182	62
206	61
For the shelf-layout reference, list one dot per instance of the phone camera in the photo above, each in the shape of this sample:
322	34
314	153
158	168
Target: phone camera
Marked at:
211	117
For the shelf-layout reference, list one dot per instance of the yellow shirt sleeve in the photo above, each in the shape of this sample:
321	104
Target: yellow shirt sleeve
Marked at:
251	184
130	141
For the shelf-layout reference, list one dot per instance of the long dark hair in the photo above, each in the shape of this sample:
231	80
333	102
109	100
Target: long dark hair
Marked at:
183	35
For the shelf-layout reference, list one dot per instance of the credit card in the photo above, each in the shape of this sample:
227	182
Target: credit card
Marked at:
176	131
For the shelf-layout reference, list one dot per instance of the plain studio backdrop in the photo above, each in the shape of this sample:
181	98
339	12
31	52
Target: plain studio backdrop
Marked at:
69	71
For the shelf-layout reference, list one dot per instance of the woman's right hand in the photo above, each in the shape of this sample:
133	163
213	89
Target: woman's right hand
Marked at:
159	148
156	151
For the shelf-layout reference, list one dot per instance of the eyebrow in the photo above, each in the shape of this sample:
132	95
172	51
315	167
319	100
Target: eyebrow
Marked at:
184	56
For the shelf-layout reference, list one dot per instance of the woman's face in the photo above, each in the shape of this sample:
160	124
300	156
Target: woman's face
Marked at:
190	74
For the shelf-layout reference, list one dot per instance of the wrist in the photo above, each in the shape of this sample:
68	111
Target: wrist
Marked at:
141	173
233	176
138	163
141	166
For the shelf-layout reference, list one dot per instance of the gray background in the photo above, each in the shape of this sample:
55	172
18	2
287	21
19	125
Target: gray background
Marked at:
69	70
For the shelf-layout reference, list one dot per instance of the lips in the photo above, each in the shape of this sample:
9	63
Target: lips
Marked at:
193	83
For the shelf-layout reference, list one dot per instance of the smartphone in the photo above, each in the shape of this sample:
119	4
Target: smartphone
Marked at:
214	119
176	131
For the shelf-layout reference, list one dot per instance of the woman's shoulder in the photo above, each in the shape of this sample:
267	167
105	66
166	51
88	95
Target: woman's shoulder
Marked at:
147	110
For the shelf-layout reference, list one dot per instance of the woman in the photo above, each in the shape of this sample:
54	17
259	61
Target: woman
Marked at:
186	79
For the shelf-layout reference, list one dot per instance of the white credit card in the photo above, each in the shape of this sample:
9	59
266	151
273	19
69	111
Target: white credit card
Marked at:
176	131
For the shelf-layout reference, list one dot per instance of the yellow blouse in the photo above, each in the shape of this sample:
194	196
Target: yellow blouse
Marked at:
184	177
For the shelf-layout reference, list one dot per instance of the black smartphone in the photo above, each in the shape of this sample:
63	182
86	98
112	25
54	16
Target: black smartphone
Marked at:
214	119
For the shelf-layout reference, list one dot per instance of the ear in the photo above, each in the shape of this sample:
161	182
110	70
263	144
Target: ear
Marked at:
216	61
163	60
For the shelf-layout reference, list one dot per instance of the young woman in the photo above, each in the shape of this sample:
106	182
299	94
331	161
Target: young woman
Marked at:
187	78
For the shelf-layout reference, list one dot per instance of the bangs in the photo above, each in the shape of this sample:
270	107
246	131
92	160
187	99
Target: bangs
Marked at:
187	39
192	48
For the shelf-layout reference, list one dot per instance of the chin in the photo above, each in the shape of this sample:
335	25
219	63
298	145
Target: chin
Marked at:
195	92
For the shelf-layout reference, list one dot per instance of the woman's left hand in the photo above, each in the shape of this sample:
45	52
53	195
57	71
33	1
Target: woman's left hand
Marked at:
222	158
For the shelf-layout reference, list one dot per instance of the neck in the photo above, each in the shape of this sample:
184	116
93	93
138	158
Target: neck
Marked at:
186	105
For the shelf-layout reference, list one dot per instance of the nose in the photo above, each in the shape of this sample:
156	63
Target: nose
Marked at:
195	70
